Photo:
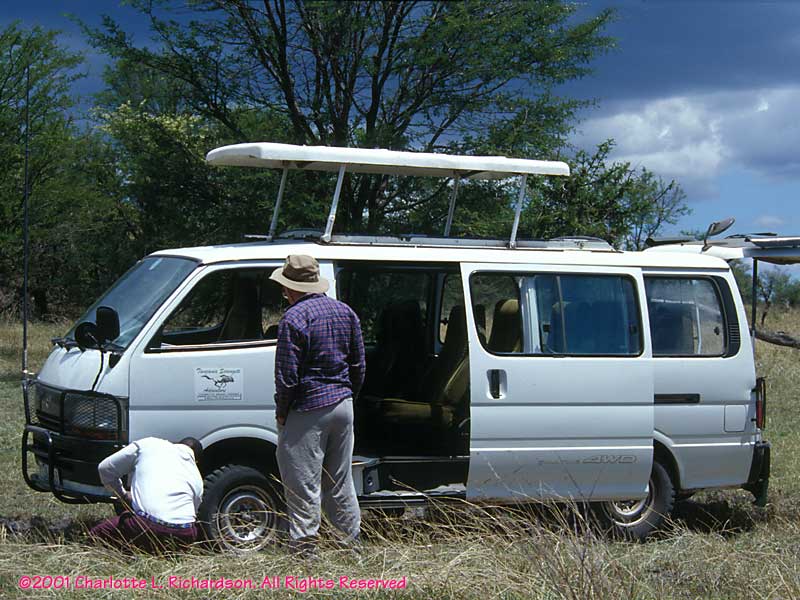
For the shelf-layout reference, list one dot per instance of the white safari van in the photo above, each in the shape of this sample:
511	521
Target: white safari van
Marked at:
504	370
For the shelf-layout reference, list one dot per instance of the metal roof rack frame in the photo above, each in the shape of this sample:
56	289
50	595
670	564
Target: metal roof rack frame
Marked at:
418	240
387	162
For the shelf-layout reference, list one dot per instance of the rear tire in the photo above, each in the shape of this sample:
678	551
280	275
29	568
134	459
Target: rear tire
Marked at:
242	509
637	519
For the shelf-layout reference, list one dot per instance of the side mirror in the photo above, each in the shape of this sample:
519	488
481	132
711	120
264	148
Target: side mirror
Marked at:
716	228
107	324
87	335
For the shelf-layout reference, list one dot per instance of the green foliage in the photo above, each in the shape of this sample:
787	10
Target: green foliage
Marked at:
74	212
744	279
459	76
178	199
611	201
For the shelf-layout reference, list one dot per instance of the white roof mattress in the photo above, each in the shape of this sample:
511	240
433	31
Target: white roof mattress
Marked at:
392	162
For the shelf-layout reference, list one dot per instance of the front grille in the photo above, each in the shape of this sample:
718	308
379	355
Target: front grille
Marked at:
89	414
82	412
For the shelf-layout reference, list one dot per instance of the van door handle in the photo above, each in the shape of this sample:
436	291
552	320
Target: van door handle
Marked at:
494	383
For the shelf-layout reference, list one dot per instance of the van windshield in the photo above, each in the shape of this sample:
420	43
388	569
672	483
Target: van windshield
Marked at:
138	294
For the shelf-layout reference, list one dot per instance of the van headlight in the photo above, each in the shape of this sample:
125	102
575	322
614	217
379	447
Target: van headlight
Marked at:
47	400
92	416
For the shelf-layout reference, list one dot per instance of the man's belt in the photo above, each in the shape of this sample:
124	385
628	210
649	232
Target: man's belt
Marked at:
158	521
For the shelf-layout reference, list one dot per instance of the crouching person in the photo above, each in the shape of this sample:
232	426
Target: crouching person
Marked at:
165	491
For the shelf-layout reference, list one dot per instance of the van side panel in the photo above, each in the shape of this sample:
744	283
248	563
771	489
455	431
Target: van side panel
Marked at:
704	404
209	392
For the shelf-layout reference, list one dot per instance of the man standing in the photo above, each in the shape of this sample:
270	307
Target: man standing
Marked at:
319	369
165	491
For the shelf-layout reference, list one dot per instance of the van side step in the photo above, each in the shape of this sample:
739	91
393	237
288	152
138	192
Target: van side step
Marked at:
410	475
406	499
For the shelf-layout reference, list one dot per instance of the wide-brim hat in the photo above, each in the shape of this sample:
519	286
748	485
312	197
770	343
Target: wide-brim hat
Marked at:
300	273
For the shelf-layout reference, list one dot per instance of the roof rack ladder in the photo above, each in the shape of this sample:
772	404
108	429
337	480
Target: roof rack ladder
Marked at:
326	237
512	242
452	209
274	224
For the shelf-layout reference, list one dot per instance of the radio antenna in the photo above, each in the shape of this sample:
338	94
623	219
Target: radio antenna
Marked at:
25	249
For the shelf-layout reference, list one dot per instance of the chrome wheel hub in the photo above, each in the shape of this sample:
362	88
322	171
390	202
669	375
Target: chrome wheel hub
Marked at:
627	513
246	519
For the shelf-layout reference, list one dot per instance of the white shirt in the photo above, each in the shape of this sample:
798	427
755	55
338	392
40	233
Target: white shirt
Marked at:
164	479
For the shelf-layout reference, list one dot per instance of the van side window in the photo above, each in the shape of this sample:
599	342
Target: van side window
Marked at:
590	315
686	317
579	315
496	309
232	305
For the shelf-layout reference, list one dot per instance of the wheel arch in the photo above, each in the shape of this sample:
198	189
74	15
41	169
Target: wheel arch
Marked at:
663	453
255	452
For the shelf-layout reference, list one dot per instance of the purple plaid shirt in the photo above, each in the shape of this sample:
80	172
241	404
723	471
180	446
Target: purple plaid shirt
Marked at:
320	356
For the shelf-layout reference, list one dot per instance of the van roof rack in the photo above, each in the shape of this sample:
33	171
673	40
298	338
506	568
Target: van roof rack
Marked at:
386	162
652	242
422	240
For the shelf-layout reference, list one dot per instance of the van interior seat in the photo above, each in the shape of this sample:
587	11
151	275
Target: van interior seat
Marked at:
479	310
243	318
446	385
398	365
506	334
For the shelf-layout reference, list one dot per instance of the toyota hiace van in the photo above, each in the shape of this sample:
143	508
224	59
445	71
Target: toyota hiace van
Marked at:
501	370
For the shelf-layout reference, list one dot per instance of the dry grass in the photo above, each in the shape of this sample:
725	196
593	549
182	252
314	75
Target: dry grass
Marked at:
39	336
717	546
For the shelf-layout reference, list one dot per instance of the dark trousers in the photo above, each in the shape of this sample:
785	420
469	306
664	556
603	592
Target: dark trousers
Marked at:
129	529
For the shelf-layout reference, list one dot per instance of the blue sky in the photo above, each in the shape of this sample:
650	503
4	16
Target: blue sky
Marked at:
706	93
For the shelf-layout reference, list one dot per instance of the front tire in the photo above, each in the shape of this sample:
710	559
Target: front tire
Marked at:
242	509
637	519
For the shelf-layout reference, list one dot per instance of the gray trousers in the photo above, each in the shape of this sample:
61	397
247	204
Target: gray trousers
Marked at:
315	455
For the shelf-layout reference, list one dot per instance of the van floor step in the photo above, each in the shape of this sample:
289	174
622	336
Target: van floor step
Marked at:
456	491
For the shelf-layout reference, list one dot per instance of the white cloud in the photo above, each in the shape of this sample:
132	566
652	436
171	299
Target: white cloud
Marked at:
769	221
693	138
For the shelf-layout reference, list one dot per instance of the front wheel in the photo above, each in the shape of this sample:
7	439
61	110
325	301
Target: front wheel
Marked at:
242	509
637	519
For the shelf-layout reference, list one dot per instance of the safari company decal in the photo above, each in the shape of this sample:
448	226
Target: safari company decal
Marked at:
218	385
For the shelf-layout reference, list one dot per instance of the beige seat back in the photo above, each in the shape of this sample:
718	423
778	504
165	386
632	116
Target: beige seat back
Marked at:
506	334
243	319
449	378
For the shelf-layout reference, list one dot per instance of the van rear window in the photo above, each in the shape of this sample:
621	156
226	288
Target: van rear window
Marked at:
686	317
561	314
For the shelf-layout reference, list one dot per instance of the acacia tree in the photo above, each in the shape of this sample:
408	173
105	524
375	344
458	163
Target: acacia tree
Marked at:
469	76
605	199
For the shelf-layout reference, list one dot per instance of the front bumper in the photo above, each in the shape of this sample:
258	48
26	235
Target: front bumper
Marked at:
64	461
758	479
66	465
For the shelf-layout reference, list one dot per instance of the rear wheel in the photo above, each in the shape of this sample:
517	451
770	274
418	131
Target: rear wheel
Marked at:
242	509
637	519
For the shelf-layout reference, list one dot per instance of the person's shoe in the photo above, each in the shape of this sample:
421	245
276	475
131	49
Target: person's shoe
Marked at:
304	548
352	545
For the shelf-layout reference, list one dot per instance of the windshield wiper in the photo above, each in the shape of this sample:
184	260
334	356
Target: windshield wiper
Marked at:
64	342
112	347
